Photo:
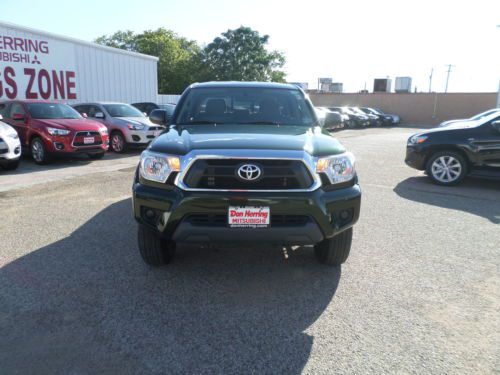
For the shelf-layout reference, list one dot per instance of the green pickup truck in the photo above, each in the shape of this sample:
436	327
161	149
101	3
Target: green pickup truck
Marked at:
245	162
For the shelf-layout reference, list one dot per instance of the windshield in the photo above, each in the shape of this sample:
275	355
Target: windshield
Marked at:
484	114
52	111
122	110
358	111
347	111
245	105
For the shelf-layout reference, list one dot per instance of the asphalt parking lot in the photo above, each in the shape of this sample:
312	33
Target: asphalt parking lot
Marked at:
419	293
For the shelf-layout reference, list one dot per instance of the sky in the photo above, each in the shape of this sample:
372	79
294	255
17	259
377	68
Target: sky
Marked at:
352	42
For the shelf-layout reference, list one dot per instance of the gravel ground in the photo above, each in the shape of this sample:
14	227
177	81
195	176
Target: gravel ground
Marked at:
419	293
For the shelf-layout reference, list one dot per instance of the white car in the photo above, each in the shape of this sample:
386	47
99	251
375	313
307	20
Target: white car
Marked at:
10	147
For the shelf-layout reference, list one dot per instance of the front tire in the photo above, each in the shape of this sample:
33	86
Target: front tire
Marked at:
334	251
39	152
118	143
154	250
446	168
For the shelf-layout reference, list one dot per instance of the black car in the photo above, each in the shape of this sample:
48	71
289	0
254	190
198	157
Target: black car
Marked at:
449	154
356	120
374	120
148	107
382	117
245	162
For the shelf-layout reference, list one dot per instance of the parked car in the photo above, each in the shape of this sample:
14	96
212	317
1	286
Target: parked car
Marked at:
473	118
148	107
127	126
448	154
52	128
395	118
386	119
356	120
374	120
329	120
10	146
245	162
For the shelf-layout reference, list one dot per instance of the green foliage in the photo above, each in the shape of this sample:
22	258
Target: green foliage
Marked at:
237	55
241	55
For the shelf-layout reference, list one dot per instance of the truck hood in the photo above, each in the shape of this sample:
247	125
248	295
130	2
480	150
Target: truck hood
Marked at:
179	140
71	124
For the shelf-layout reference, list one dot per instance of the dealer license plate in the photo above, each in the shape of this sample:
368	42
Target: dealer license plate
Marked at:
249	217
88	140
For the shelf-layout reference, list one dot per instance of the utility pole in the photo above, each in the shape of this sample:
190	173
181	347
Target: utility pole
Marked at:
448	77
430	80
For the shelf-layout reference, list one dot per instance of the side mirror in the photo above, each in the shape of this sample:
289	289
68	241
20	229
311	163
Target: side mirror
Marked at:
99	115
18	117
1	117
84	115
159	117
496	125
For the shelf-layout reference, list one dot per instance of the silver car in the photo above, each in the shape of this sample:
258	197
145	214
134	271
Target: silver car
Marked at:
127	126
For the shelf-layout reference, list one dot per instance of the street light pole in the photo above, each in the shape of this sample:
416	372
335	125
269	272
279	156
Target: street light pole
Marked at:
447	78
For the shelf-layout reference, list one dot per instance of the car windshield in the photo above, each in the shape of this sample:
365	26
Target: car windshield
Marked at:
348	111
122	110
357	110
52	111
245	105
484	114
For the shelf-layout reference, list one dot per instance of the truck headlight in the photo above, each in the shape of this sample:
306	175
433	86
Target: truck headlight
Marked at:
55	131
157	167
135	126
338	168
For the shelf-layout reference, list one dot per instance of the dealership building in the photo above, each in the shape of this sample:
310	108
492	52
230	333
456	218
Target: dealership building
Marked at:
40	65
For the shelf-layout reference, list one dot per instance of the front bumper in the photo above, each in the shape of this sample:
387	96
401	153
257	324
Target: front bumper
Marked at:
415	157
65	145
10	149
141	137
328	213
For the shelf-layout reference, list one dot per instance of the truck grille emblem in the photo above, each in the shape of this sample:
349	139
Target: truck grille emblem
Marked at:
249	172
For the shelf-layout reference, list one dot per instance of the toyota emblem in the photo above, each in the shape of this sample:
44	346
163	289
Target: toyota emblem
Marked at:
249	172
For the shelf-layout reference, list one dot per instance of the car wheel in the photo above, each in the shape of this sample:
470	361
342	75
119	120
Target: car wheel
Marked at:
38	151
118	143
446	168
11	165
96	156
334	251
155	251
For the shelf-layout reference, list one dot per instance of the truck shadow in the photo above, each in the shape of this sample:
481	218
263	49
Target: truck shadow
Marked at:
474	195
87	303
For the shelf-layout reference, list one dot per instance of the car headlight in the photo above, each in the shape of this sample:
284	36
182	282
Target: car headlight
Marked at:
13	136
157	167
103	131
135	126
55	131
417	139
338	168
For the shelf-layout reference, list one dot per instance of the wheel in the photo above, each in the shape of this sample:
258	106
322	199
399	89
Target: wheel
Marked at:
118	143
334	251
96	156
11	165
155	251
446	168
38	151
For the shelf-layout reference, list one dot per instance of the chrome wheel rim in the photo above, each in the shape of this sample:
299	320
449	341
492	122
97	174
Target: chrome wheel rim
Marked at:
37	151
446	169
117	143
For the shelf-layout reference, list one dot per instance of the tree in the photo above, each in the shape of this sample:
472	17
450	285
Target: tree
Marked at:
241	55
178	57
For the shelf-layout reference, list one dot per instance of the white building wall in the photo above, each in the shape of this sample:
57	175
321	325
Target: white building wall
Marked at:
98	73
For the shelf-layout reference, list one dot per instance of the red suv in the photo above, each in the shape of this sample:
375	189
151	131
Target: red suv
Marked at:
49	128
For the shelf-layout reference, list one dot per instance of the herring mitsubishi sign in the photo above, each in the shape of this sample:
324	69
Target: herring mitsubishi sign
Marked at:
34	67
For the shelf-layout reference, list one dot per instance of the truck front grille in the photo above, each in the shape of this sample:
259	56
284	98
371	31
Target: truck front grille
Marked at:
222	174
